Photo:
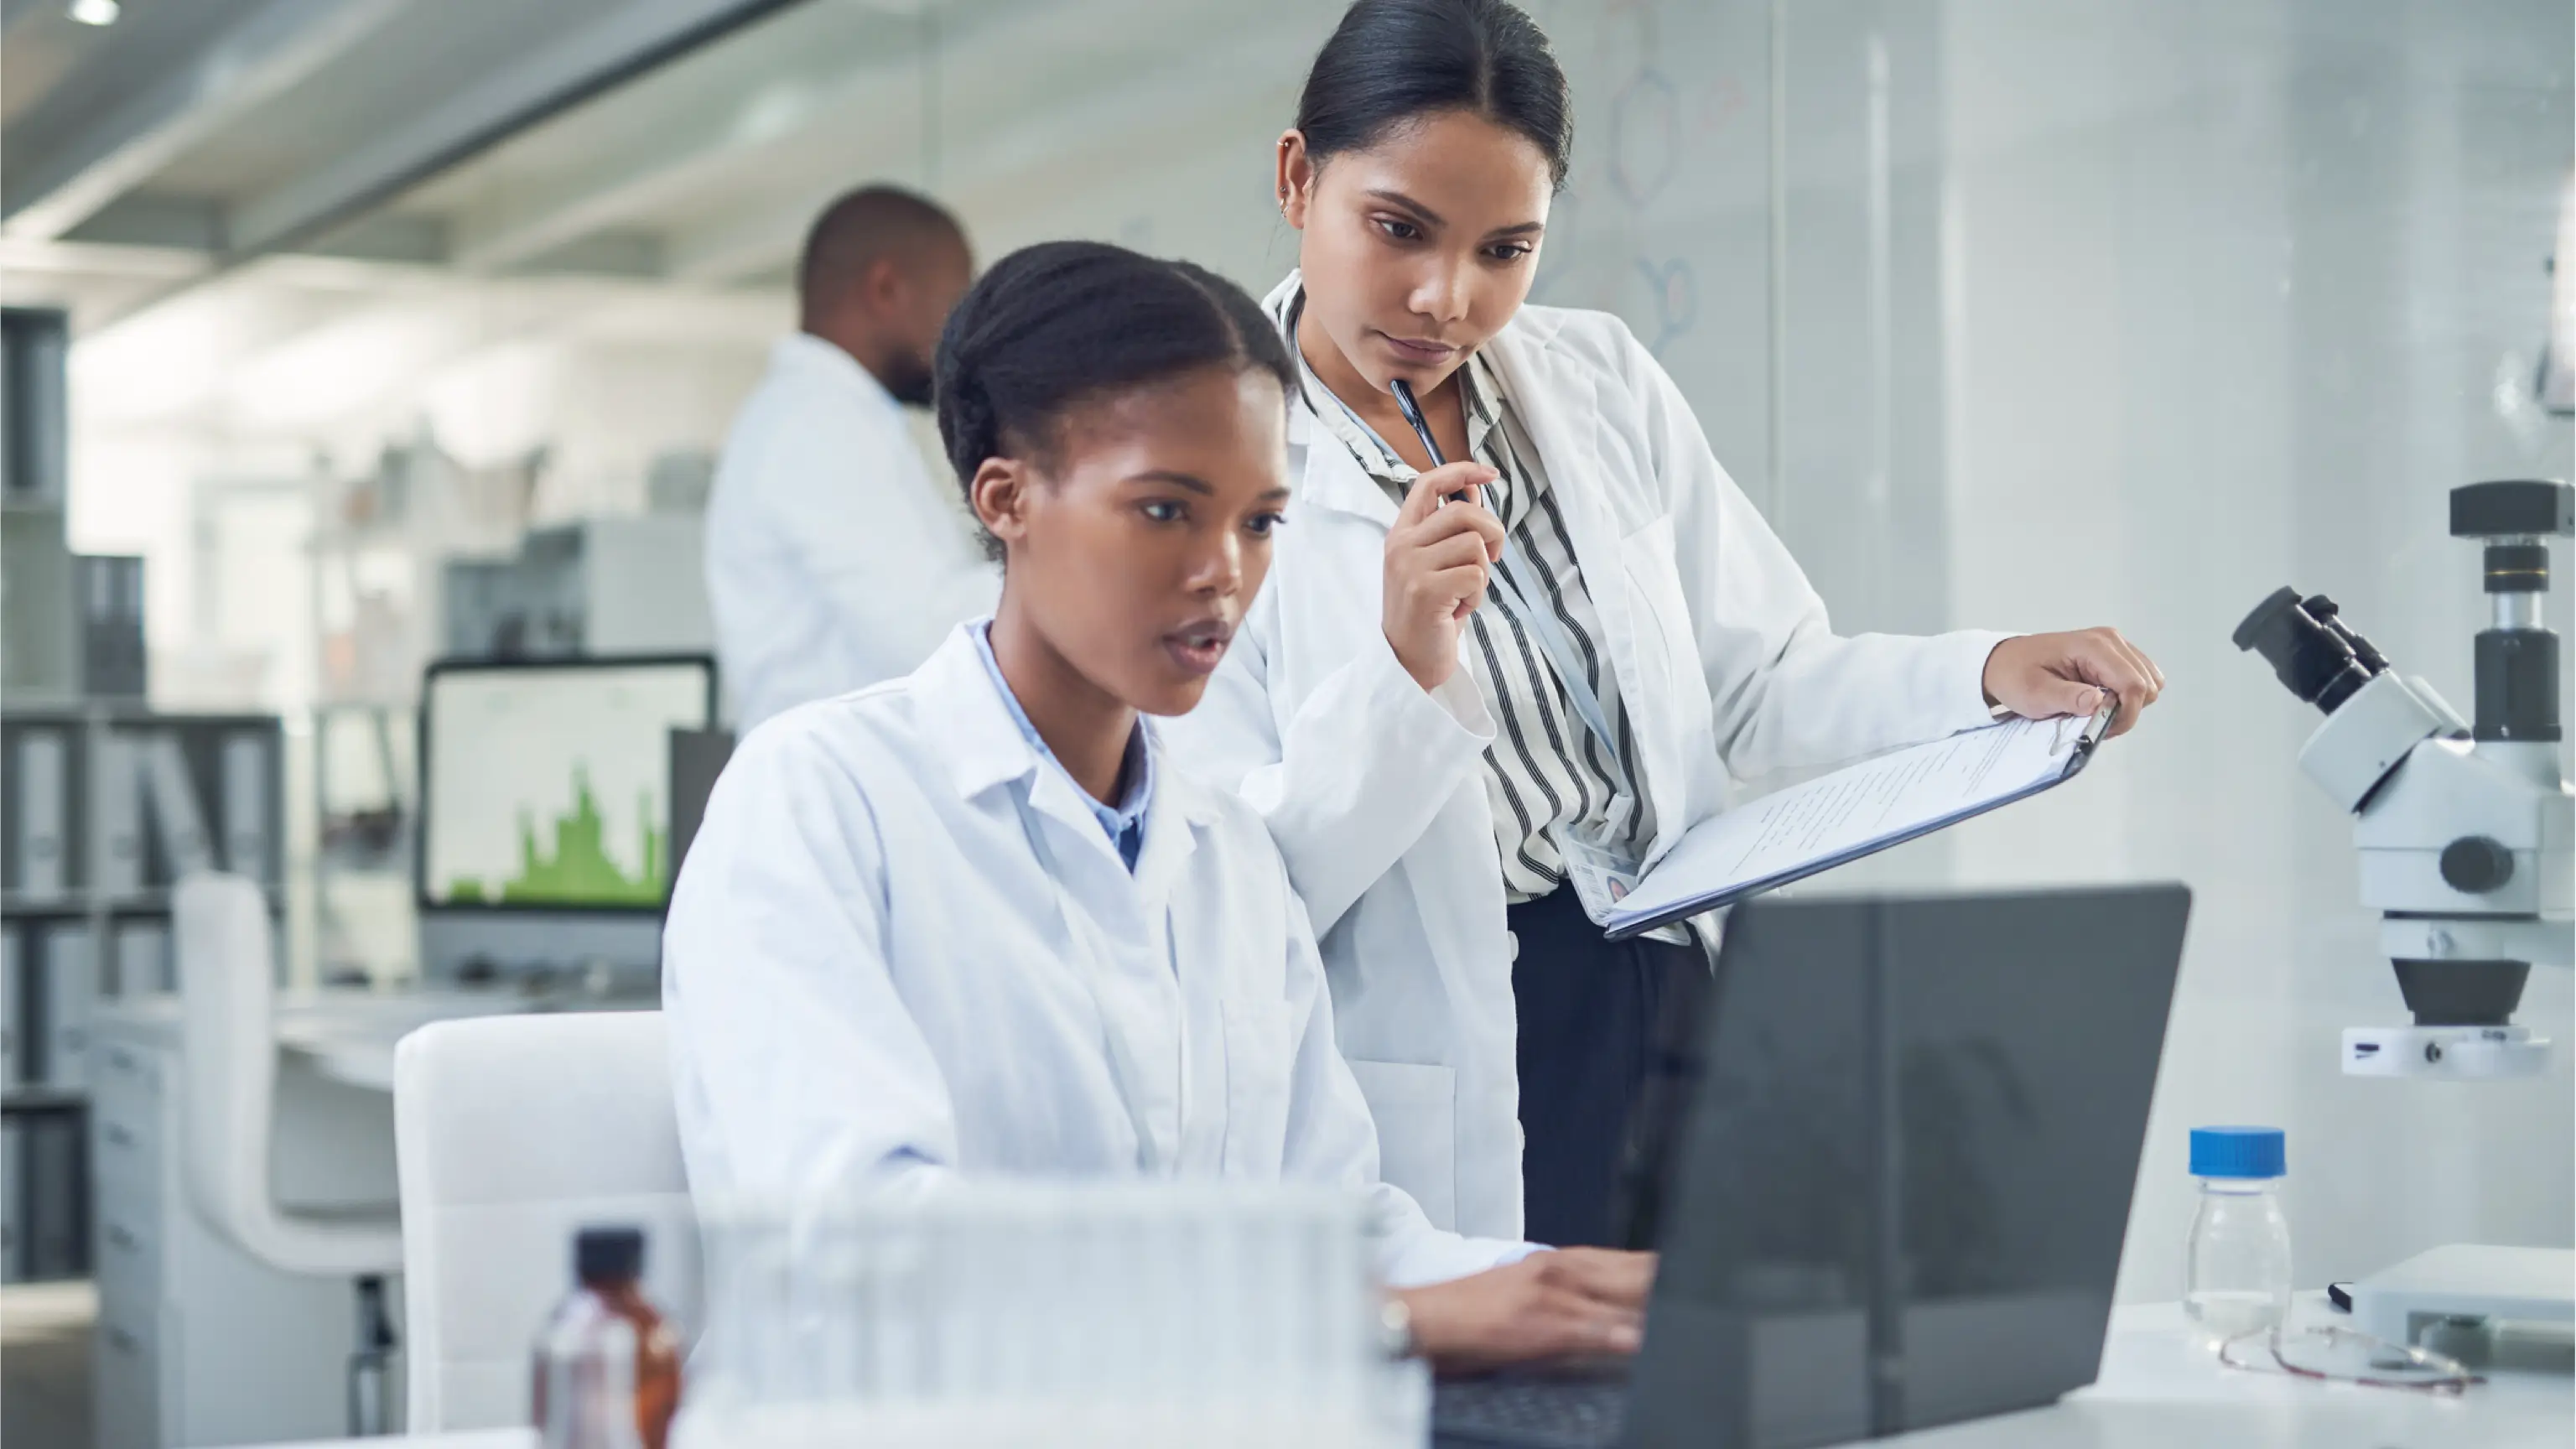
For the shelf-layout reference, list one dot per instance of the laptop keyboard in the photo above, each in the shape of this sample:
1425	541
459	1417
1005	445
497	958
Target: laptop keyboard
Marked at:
1537	1413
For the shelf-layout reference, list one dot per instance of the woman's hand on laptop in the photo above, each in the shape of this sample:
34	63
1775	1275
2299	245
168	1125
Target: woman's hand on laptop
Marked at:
1568	1302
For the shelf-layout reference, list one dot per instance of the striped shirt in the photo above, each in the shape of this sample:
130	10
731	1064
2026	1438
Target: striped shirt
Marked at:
1547	775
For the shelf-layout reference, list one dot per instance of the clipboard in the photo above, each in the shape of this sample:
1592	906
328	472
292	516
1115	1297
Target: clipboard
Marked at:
1853	812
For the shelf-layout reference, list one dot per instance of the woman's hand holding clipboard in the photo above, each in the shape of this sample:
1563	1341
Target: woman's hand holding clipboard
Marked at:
1857	811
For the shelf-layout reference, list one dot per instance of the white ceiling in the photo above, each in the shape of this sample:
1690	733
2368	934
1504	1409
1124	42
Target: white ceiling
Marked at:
178	209
434	154
196	135
710	170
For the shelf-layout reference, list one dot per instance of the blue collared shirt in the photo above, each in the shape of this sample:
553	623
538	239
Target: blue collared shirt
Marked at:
1126	821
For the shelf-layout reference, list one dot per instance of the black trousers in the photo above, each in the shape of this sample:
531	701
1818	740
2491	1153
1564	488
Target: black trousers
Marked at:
1607	1044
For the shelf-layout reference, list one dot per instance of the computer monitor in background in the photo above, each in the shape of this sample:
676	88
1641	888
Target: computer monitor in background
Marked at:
698	757
546	813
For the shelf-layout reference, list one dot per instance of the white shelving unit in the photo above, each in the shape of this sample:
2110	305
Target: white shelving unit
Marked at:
101	806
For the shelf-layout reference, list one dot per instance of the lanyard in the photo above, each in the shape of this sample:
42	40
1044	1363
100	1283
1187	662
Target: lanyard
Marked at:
1125	1071
1558	646
1541	624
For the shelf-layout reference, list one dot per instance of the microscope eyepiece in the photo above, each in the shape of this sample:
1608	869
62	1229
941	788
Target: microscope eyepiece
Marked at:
2309	648
2323	610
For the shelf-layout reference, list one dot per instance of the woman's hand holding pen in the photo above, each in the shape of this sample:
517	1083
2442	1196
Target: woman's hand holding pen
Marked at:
2041	676
1571	1302
1437	562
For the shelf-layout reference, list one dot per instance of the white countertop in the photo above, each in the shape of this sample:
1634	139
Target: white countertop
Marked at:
472	1439
2160	1390
2157	1391
349	1035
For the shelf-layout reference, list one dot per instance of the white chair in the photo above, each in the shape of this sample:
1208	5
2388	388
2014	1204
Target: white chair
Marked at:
228	1050
512	1134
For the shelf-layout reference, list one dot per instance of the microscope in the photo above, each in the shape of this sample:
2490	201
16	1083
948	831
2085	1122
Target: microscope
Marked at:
2467	841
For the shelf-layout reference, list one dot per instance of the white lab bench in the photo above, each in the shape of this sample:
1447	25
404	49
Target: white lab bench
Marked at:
2157	1391
197	1342
200	1344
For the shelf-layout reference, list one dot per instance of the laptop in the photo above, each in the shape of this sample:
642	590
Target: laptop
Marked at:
1896	1191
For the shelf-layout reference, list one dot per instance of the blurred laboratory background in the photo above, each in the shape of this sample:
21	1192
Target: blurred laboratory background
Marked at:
345	336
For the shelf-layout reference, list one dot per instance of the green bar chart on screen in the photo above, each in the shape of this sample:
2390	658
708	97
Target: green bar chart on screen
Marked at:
569	862
550	787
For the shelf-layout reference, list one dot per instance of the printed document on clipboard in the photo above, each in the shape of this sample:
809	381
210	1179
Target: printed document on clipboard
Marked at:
1856	811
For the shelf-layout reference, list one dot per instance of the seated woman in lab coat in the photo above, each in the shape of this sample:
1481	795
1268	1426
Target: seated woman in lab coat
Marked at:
973	921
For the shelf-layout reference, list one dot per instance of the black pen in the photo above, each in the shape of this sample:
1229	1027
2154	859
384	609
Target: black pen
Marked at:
1421	428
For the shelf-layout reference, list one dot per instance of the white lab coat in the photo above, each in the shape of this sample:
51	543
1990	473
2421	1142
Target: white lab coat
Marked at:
1372	787
834	560
903	949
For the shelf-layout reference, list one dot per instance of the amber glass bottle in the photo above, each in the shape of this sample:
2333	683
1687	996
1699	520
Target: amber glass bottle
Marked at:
607	1366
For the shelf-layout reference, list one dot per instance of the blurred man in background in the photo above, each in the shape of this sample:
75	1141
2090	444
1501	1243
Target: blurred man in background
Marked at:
834	559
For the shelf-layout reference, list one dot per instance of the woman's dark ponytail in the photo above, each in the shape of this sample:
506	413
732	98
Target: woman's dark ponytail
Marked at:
1391	62
1063	323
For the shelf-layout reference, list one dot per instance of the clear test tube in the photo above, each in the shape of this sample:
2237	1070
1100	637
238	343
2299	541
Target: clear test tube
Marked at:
709	1375
1090	1351
1139	1279
1277	1337
839	1274
766	1356
999	1309
1062	1355
1252	1308
896	1320
903	1303
1186	1309
1350	1298
926	1283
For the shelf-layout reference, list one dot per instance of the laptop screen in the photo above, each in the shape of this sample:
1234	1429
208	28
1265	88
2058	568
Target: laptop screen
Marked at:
1905	1172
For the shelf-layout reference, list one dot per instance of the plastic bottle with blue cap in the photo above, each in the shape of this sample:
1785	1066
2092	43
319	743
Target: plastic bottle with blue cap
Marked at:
2236	1265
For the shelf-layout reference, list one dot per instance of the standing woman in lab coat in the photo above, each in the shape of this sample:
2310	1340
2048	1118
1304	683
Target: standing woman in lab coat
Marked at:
971	922
1470	723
